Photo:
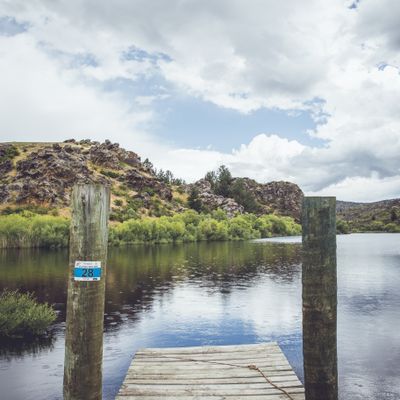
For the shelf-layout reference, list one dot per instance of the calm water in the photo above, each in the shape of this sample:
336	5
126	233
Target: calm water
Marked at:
217	293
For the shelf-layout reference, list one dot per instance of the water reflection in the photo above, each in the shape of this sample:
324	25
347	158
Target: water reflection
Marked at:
17	349
218	293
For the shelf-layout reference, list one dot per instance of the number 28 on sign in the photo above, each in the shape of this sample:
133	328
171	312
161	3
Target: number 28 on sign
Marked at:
87	271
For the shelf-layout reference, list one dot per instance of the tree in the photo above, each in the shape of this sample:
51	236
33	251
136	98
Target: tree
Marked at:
243	196
211	177
147	164
194	200
223	182
393	215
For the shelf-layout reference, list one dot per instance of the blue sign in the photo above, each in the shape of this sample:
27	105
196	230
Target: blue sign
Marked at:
87	271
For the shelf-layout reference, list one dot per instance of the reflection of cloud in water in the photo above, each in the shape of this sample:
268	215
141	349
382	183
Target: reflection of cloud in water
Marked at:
267	306
369	316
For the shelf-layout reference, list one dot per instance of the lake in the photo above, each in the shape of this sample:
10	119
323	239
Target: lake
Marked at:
211	294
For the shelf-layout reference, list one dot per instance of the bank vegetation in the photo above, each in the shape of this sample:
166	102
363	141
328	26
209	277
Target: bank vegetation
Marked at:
33	230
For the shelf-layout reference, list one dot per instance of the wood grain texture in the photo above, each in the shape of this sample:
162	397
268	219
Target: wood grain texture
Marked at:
319	281
85	303
216	372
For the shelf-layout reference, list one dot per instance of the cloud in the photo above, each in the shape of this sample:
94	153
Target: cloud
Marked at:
40	102
67	68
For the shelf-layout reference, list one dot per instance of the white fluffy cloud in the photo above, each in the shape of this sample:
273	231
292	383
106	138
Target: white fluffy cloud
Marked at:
239	55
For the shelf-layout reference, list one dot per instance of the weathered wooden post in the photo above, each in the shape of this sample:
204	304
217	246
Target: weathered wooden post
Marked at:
86	291
319	298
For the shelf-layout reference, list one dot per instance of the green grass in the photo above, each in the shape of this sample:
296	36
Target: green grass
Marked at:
22	316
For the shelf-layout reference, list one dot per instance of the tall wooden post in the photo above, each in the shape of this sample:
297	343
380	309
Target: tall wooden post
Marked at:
319	298
85	304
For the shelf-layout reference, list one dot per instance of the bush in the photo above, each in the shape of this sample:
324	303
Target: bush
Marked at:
392	228
21	315
192	226
32	230
342	226
118	202
211	229
9	152
110	174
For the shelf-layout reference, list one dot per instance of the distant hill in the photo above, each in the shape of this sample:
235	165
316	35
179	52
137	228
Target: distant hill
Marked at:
366	217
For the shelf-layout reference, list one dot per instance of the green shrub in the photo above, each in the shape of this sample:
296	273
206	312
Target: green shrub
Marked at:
31	230
191	226
211	229
109	173
342	226
392	228
118	202
21	315
240	227
10	152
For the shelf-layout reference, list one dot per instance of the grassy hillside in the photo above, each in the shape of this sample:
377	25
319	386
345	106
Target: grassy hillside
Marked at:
381	216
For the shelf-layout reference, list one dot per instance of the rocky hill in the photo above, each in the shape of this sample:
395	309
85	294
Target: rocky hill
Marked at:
39	177
377	216
282	198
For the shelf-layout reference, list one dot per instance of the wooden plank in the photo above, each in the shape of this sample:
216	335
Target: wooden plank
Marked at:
212	364
196	366
210	357
211	372
215	397
194	391
231	373
208	380
271	346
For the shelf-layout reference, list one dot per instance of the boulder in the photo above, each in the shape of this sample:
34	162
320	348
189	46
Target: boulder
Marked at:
283	198
140	182
211	201
110	155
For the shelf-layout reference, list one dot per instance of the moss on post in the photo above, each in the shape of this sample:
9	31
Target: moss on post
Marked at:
85	304
319	298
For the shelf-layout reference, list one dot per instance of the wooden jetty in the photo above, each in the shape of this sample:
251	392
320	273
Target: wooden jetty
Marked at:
244	372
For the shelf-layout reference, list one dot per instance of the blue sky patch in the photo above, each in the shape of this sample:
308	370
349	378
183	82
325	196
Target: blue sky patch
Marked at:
10	27
191	122
137	54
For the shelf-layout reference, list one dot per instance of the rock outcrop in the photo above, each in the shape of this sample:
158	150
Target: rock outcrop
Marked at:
211	201
45	173
140	182
283	198
110	155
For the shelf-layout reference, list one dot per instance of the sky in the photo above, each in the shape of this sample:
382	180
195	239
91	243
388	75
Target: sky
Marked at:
307	92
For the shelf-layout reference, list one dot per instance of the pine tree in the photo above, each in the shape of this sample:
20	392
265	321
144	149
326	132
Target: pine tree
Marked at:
194	200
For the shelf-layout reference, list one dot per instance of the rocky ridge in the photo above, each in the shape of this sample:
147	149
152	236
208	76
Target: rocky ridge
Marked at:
280	197
42	174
